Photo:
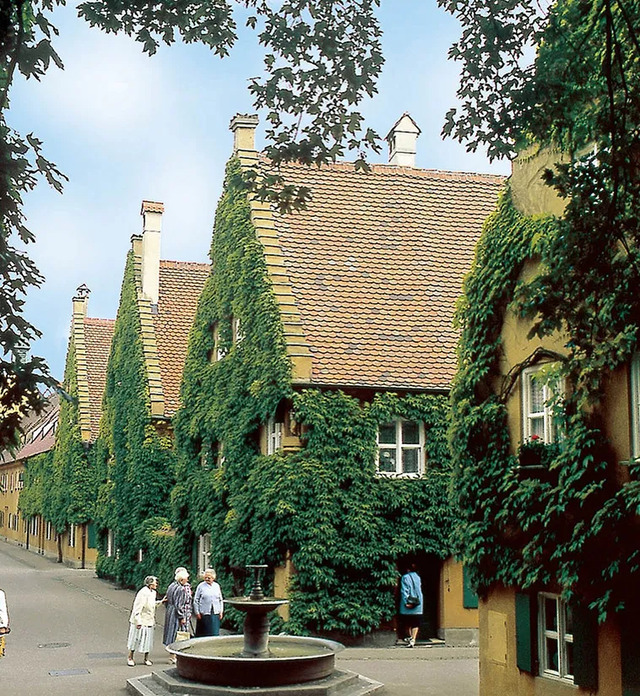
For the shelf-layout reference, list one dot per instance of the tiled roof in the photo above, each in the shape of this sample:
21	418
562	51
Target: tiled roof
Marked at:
98	334
180	286
39	432
375	263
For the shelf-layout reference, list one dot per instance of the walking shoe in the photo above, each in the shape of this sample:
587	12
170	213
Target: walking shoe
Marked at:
131	663
411	643
148	663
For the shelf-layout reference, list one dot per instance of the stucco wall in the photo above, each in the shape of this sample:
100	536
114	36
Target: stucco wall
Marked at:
499	673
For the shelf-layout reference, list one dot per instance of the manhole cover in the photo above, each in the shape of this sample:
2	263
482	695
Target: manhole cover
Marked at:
68	672
54	645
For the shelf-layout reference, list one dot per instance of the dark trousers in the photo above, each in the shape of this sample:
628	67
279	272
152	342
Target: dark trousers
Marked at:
208	625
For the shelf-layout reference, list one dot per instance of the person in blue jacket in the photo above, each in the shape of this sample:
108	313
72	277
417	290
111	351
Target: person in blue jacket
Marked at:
410	604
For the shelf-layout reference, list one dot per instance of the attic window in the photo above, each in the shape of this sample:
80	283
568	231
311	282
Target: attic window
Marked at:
217	352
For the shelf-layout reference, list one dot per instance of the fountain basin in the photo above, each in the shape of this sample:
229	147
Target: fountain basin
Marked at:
220	660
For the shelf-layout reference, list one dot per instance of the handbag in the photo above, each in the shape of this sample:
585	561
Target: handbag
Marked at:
183	635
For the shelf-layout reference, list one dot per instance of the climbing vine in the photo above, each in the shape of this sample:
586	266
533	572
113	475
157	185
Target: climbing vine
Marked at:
342	527
135	455
575	530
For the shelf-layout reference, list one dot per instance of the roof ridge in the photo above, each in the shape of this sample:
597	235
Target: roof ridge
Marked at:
99	320
386	168
167	263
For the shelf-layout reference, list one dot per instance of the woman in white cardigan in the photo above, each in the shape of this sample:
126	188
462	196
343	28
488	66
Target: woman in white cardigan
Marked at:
142	621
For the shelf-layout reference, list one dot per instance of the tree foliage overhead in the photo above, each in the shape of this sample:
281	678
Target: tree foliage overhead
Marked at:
322	57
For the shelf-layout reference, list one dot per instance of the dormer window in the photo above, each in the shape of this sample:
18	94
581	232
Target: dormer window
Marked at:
401	449
540	395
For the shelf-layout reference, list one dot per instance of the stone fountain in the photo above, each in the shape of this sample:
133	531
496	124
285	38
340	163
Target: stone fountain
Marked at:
254	662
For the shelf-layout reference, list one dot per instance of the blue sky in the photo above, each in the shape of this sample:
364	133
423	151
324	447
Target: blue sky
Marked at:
125	127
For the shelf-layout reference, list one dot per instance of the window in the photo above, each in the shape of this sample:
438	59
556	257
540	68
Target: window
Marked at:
555	636
274	435
539	406
34	526
48	532
635	406
140	555
72	536
238	332
204	552
218	352
20	485
110	543
401	448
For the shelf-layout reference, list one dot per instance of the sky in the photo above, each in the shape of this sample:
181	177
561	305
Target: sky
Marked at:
125	127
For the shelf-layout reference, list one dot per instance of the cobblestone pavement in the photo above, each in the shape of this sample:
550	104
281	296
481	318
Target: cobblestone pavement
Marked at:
69	633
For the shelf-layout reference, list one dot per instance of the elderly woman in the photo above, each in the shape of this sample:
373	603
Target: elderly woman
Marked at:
4	621
208	606
178	612
142	621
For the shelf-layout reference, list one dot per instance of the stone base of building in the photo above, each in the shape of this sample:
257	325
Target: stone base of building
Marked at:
459	637
168	681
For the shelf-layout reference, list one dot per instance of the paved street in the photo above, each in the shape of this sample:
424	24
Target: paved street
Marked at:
69	632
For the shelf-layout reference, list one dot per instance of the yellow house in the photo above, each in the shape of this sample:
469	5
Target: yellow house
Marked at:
538	641
38	440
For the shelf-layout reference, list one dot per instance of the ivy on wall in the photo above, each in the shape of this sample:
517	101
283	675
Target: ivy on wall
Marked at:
576	530
61	485
344	527
135	455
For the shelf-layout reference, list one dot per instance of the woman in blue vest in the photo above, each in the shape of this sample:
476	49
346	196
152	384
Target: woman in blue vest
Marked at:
410	604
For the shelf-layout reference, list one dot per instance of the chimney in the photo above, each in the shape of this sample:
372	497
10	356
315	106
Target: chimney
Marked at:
402	142
151	227
80	301
243	127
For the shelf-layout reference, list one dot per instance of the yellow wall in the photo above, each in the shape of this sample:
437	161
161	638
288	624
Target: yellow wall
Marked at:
451	609
38	543
499	673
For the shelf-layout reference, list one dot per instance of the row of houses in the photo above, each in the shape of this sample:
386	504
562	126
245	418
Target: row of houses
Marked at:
286	404
289	404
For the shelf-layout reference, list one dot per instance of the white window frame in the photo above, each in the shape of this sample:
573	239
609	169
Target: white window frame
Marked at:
399	446
110	543
635	406
238	332
559	636
140	555
274	435
204	552
549	427
34	526
71	541
48	531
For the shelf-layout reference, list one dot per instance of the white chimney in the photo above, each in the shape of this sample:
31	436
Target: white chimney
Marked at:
402	142
243	127
151	227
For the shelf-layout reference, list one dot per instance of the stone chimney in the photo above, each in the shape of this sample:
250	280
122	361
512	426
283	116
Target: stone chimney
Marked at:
151	227
80	301
402	142
243	127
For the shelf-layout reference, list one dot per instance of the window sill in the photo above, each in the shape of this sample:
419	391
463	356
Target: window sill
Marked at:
389	475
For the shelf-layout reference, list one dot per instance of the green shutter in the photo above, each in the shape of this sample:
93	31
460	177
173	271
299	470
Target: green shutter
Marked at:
524	634
92	542
585	647
630	653
469	595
